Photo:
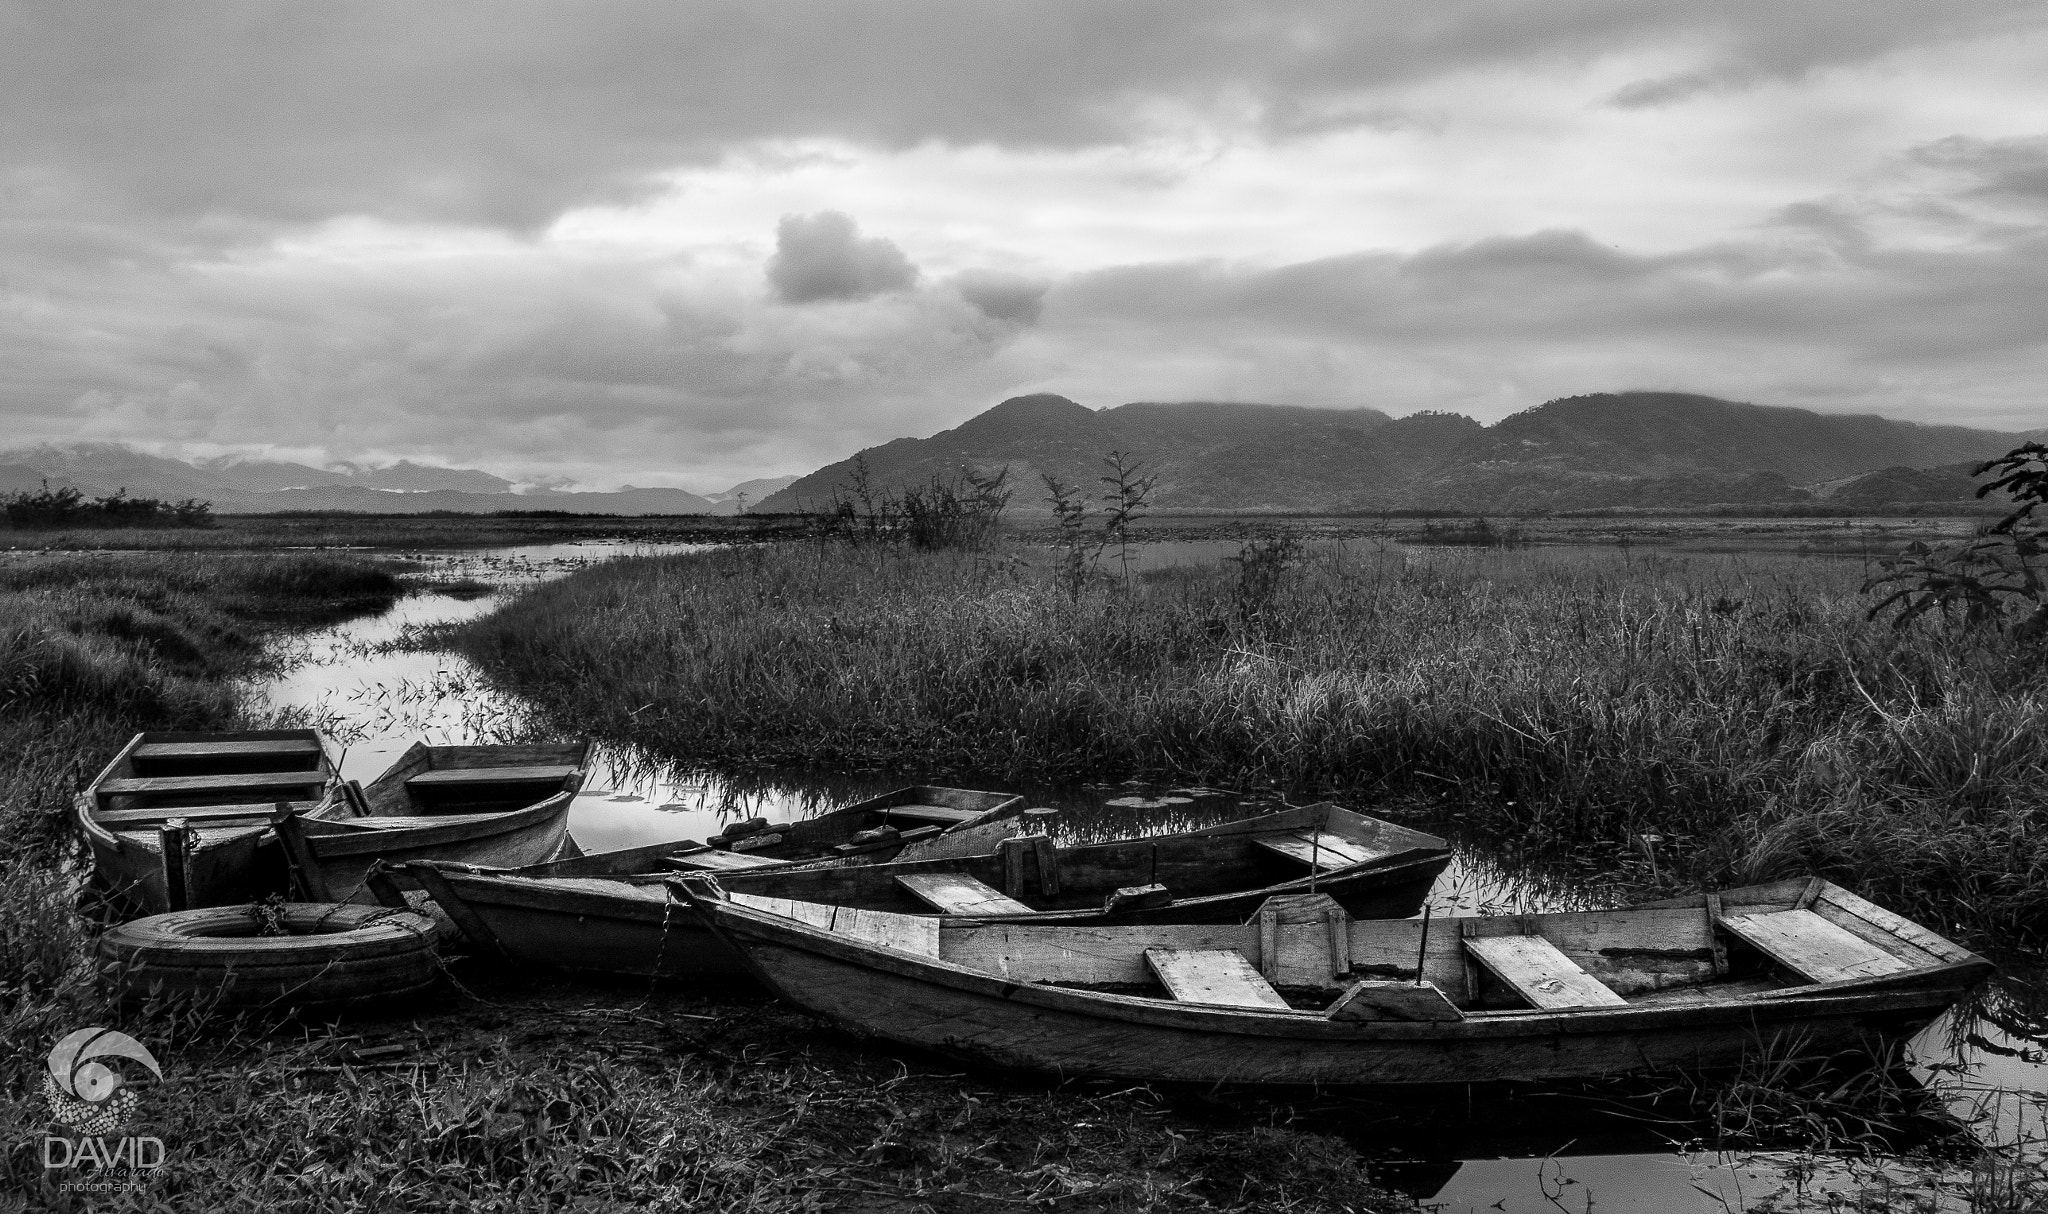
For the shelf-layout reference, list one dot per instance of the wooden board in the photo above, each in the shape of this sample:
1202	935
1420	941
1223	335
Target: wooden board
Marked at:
1812	947
288	748
1541	974
909	933
959	894
253	782
1213	976
1323	849
713	860
933	815
443	777
195	814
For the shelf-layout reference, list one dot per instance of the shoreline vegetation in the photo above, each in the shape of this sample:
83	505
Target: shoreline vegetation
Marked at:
1648	720
333	529
1559	698
508	1092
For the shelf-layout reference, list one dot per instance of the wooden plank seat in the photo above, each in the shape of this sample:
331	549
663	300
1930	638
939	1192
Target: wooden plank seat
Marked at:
1214	976
1321	849
456	777
959	894
930	815
197	815
273	748
910	933
256	784
1540	973
1812	947
713	860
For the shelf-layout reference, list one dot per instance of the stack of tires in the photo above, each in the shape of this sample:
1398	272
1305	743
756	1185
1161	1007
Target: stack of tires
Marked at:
317	954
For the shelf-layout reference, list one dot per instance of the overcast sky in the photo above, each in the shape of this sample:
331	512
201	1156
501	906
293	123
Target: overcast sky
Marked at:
691	243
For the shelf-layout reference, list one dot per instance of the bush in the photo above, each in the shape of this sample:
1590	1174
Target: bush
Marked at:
48	509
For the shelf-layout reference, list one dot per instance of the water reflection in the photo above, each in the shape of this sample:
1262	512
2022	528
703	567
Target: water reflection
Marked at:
377	683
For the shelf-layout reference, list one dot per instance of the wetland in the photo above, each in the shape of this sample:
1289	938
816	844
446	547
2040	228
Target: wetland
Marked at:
1592	721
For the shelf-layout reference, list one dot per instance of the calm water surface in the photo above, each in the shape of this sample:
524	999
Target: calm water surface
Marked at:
371	685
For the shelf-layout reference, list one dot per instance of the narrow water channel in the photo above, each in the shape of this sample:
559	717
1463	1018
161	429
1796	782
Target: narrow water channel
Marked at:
373	685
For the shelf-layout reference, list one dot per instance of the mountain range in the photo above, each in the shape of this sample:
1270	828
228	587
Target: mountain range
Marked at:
1607	450
239	486
1602	451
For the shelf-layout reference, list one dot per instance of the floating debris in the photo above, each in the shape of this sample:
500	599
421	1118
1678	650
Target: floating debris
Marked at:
1149	802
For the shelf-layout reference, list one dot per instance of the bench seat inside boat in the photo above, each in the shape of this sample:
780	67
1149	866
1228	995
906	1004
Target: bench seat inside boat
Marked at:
456	777
713	860
930	815
255	784
1213	976
246	811
1812	947
1320	849
299	749
1540	973
959	894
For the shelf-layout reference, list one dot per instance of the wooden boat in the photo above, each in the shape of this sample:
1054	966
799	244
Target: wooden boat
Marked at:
1304	994
612	913
207	802
921	821
486	805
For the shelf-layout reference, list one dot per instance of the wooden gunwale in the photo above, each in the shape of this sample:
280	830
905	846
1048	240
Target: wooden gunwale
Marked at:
430	833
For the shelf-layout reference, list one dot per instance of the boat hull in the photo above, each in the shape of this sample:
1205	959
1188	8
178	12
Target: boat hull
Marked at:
223	863
343	852
920	1001
576	916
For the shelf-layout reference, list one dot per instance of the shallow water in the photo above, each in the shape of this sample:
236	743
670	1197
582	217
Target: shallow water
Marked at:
368	685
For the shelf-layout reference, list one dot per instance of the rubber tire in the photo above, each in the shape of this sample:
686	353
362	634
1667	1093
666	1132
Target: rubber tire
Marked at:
347	953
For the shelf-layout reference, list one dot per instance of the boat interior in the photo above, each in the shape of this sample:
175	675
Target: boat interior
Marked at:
1302	953
1028	874
442	782
214	781
889	821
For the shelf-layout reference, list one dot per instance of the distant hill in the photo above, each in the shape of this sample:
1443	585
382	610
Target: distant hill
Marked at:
241	486
1608	450
755	490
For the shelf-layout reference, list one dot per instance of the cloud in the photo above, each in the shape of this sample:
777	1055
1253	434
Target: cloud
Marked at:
1001	296
229	113
821	258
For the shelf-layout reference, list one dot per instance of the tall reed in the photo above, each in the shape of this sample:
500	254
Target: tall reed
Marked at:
1738	718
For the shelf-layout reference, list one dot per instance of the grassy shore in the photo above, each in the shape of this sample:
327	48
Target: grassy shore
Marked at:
1706	720
510	1093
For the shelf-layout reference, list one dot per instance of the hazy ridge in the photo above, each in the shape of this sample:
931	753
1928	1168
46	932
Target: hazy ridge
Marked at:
1607	450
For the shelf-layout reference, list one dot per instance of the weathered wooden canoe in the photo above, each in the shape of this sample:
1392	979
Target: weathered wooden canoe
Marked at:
1304	994
922	821
211	797
612	913
485	805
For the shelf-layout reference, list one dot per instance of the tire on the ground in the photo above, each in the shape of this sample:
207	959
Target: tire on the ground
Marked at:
331	953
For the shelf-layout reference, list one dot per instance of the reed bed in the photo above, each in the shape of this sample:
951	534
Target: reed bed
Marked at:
1698	720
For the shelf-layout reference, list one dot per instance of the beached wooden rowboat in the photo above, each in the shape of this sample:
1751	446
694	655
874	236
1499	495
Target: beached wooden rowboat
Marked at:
1304	994
611	913
207	802
922	821
485	805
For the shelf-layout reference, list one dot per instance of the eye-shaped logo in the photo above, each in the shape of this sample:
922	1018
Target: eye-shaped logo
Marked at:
92	1097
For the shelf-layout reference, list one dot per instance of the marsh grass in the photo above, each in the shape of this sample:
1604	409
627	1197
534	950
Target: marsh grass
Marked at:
1682	722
